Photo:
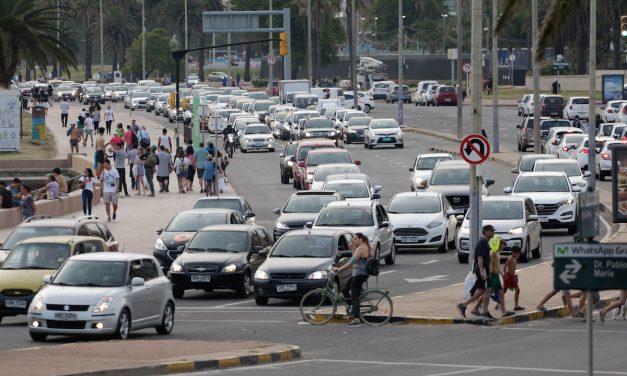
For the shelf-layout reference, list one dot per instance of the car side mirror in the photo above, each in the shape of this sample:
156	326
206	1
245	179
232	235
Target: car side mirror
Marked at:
249	215
384	224
532	217
514	170
293	159
586	174
180	248
577	188
489	182
263	253
47	279
507	190
460	218
308	225
276	211
450	212
519	126
160	231
411	169
137	282
282	155
376	196
377	188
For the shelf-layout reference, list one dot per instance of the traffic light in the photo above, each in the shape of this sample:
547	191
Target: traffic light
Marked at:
283	43
623	26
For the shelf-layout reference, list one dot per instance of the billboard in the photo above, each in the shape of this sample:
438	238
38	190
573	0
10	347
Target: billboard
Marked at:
612	88
10	120
619	183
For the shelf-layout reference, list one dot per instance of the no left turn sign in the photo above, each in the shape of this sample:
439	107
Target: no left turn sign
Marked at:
475	149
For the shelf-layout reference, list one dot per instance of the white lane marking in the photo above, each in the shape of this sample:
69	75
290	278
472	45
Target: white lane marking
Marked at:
432	278
388	272
608	230
235	321
429	262
563	330
460	372
232	304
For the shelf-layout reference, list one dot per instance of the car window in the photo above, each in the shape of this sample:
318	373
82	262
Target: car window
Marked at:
105	231
191	222
254	240
150	269
345	216
37	256
221	203
304	246
443	176
27	232
93	230
88	246
136	270
83	231
542	184
414	204
382	214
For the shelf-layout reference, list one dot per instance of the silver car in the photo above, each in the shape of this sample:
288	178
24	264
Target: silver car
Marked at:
103	294
423	167
383	132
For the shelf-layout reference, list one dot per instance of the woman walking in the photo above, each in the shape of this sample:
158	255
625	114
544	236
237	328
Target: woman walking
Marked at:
209	168
220	167
109	119
181	164
87	185
26	202
191	168
140	162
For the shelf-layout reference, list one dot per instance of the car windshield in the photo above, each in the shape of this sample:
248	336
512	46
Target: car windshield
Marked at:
445	176
428	163
318	123
580	101
359	121
94	89
22	233
291	149
302	153
219	241
64	87
258	95
123	89
90	273
618	130
386	124
304	246
297	117
527	163
541	184
262	106
414	204
345	217
315	159
548	124
352	115
570	169
191	222
573	138
220	203
257	130
323	171
163	98
447	89
37	256
302	102
308	203
349	190
280	116
553	101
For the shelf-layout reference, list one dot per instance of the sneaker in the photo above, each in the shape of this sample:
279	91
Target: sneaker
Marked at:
519	308
114	216
108	219
462	309
476	313
355	322
508	314
151	195
487	316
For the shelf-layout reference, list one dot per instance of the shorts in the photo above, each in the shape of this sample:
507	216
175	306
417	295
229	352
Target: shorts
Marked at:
495	282
73	142
110	198
480	284
100	156
200	172
89	132
140	170
161	179
190	172
510	282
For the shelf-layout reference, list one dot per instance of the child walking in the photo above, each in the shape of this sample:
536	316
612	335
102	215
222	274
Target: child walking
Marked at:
510	279
496	245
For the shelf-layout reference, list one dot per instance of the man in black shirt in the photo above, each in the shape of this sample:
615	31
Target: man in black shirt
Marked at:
6	197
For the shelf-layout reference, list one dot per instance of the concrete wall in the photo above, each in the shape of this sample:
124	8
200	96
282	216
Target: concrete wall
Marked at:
571	82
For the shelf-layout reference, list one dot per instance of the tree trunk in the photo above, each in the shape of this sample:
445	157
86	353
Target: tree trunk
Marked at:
113	61
201	58
88	50
247	63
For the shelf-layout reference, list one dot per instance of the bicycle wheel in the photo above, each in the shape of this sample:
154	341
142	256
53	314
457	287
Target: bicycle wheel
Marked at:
375	307
109	150
318	307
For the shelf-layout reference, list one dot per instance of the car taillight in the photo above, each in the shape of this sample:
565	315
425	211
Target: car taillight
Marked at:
584	151
624	109
570	107
605	156
609	111
554	142
566	148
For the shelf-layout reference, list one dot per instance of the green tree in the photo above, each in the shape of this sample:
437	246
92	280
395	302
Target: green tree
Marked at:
28	31
158	56
120	27
85	11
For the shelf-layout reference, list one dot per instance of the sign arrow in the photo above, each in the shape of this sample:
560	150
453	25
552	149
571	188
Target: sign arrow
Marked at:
570	271
432	278
469	147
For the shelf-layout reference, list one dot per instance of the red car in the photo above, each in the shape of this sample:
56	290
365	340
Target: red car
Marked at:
322	156
445	96
302	149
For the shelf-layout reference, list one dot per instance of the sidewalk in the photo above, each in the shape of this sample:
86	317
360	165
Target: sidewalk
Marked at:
142	357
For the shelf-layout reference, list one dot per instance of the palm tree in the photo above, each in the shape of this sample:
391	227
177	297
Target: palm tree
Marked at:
28	31
120	29
85	11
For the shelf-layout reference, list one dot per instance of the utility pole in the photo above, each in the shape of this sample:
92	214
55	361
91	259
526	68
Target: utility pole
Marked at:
460	102
309	45
228	49
536	78
58	69
186	41
143	41
495	81
354	53
475	74
271	53
400	62
444	33
101	45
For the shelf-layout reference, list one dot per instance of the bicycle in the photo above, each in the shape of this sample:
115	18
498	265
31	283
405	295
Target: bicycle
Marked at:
375	304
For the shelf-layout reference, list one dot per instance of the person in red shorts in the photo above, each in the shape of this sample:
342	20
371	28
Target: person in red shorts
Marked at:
511	279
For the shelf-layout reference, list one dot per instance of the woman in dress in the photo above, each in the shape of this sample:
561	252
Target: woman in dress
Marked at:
180	166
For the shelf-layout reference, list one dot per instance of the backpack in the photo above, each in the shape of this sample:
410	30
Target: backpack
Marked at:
372	266
182	167
134	140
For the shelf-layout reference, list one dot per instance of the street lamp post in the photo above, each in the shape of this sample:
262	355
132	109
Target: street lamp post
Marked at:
101	44
143	41
444	32
375	28
400	62
186	46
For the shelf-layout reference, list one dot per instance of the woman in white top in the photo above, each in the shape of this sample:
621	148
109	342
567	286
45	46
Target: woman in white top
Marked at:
165	140
140	161
181	162
109	119
220	166
87	185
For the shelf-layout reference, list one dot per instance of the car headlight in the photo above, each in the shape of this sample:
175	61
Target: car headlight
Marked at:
160	246
282	225
307	134
310	176
352	131
400	134
337	131
103	304
464	231
436	223
261	275
176	267
269	139
230	268
516	231
318	274
290	163
566	201
37	304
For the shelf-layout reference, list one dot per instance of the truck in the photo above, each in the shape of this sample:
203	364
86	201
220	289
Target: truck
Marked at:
289	87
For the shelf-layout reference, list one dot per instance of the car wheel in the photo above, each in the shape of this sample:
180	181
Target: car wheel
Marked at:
537	253
284	178
451	243
370	146
444	247
572	230
39	337
463	259
297	184
178	292
261	300
391	258
272	150
244	290
124	325
170	120
243	150
400	146
368	109
524	257
601	175
523	147
167	321
365	145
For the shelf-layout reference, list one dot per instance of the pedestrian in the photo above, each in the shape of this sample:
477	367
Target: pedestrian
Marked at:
128	138
220	168
87	185
50	191
119	159
131	154
566	298
181	164
119	131
200	156
191	168
164	168
224	79
555	87
140	161
61	180
135	129
144	138
110	184
80	123
109	119
26	202
618	303
210	148
209	167
89	130
49	95
16	187
496	246
75	136
510	280
95	115
65	112
362	251
164	140
237	79
100	151
6	198
149	168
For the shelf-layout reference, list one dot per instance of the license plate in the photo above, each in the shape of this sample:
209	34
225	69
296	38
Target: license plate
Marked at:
201	278
285	288
387	139
409	239
447	100
15	303
458	210
65	316
543	219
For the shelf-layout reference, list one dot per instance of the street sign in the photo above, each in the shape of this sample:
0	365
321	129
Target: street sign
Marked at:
271	60
590	266
512	57
466	68
475	149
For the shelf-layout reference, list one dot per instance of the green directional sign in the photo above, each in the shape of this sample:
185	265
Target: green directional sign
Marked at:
596	266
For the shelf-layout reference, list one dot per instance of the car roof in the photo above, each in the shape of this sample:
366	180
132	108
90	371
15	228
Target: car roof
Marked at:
452	164
228	227
111	256
433	155
208	211
537	156
61	239
328	150
315	192
418	194
357	203
504	198
564	129
542	173
240	198
313	142
315	231
557	161
44	221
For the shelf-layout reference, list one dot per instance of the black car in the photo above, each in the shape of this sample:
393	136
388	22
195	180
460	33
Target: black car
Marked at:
238	203
354	129
219	257
552	105
299	262
183	227
285	164
300	208
318	127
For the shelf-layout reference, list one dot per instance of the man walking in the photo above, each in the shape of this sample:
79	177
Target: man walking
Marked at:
149	167
65	112
164	167
119	158
89	130
165	141
100	151
110	182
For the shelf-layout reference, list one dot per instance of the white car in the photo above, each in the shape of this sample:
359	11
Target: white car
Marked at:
566	146
105	293
514	219
367	217
159	103
256	137
428	97
422	220
527	161
139	99
553	197
359	176
581	151
423	167
576	107
527	108
380	89
554	137
604	159
621	114
568	166
324	170
617	130
610	110
383	132
365	101
522	104
420	90
352	189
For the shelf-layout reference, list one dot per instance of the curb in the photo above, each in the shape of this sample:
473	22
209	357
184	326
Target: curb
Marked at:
291	352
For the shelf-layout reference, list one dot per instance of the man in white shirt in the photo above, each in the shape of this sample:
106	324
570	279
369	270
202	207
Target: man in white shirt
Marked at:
65	111
110	183
89	130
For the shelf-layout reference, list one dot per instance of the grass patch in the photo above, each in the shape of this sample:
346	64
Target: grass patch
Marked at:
32	150
516	92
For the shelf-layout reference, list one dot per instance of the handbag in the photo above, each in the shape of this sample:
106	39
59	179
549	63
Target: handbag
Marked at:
469	282
372	266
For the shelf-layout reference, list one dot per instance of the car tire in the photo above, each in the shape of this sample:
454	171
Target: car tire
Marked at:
297	184
523	148
391	258
244	290
524	256
451	244
123	328
444	247
601	175
38	337
401	146
261	300
537	253
178	292
463	259
572	230
272	150
167	320
370	146
170	120
243	150
284	178
365	145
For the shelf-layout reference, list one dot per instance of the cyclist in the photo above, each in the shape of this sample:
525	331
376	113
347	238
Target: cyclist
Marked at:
362	251
226	132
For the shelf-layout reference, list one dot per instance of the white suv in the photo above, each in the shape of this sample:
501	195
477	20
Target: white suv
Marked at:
383	132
